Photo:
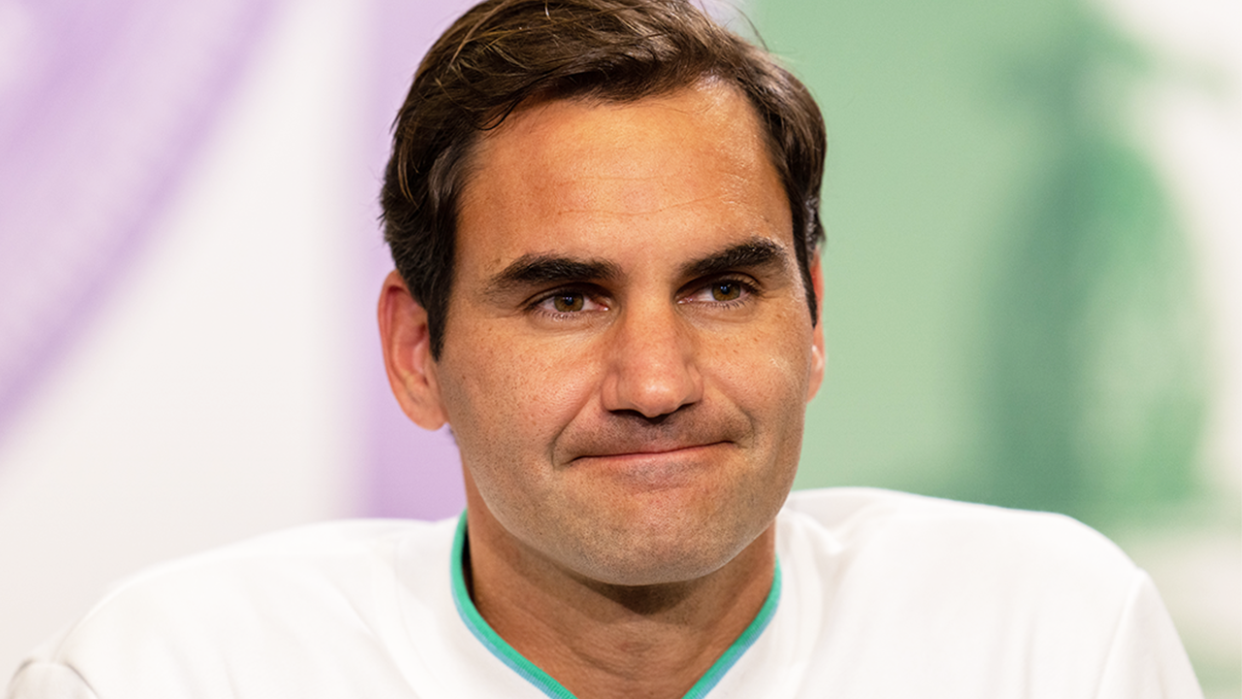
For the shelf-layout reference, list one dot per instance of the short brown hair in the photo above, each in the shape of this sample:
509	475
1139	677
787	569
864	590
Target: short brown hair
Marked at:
501	53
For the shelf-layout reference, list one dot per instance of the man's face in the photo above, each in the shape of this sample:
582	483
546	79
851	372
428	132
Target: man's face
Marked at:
628	351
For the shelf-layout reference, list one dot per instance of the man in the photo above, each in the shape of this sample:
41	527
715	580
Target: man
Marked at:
604	218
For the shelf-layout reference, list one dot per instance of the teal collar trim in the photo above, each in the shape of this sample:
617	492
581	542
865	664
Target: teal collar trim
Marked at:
542	680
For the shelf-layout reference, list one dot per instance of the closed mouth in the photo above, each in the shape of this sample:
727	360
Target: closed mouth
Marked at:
649	451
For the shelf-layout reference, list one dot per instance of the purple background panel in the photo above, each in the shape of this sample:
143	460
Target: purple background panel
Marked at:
100	119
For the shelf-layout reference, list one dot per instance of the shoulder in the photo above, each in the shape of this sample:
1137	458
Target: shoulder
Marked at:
852	515
315	589
330	555
903	592
959	546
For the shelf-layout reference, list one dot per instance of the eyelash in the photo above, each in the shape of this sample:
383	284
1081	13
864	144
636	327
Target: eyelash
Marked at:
589	296
748	290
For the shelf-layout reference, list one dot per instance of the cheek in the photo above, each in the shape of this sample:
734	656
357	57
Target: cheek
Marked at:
767	372
766	377
507	400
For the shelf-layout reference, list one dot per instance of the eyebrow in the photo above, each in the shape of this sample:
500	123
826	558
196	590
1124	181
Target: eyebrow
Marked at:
539	270
544	270
756	253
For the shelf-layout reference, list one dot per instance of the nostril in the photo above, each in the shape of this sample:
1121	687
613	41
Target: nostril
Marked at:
652	420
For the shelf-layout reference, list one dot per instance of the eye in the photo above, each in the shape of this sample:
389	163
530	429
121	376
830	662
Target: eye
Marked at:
566	302
726	291
722	292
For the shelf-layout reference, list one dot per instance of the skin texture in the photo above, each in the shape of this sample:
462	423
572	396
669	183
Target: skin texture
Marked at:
627	360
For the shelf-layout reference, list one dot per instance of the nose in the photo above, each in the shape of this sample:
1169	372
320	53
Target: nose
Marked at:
652	368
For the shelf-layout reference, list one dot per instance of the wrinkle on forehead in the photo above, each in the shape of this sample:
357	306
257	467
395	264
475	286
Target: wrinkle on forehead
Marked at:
584	138
601	208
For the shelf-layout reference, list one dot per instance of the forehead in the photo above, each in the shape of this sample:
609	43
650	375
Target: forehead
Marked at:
568	175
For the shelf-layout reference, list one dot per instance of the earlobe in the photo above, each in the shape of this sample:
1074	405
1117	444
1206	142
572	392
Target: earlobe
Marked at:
819	356
406	341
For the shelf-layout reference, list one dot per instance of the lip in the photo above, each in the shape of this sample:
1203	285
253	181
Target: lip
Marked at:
649	452
654	469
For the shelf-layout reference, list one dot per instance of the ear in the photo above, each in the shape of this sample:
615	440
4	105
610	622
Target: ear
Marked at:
407	354
819	355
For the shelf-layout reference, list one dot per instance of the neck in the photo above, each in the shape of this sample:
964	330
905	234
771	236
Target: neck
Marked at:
601	641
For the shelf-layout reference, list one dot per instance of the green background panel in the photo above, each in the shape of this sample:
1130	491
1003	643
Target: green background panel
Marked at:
1008	309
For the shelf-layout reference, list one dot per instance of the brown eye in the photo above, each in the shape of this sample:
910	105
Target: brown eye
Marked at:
726	291
568	303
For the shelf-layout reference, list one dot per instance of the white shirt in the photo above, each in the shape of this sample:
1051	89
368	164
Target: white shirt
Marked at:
880	594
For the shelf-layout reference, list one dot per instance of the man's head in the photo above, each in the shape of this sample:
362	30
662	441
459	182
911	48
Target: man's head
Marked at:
506	53
628	349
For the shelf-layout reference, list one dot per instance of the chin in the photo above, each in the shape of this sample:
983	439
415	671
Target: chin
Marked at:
647	573
659	558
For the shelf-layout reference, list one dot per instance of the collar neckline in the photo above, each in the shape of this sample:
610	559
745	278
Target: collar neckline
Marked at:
542	680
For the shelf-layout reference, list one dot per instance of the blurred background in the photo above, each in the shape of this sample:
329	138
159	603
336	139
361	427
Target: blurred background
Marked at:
1033	264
